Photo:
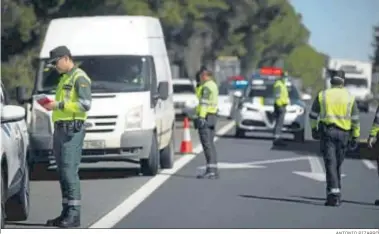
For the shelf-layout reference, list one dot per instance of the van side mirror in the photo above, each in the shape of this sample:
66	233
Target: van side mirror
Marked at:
21	95
163	90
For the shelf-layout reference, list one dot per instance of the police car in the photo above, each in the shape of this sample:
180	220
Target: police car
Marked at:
256	108
14	162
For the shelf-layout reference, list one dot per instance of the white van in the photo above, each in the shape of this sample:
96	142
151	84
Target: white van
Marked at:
132	115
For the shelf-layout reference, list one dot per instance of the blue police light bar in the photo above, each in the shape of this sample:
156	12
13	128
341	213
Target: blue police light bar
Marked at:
239	84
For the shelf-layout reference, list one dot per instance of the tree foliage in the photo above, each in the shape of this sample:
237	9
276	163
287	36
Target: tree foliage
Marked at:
259	32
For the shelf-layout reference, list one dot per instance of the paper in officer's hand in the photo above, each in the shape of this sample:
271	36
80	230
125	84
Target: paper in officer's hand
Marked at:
43	99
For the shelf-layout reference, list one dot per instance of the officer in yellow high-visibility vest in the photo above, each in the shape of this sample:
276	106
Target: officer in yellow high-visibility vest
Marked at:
372	140
281	102
334	119
72	101
205	122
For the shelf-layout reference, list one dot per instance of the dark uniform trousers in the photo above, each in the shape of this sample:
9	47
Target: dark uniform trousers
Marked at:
279	112
68	150
207	134
334	144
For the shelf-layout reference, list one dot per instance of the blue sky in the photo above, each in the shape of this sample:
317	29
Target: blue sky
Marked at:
340	28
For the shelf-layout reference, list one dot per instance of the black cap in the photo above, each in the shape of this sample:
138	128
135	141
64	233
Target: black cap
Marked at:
58	53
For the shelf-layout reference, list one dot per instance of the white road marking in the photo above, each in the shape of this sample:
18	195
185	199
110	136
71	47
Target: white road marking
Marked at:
130	203
369	164
278	160
316	166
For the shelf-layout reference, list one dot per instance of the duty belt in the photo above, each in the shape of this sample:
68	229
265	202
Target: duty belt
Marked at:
65	123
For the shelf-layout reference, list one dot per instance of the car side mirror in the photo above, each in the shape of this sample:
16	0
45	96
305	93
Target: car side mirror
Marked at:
12	113
163	90
21	95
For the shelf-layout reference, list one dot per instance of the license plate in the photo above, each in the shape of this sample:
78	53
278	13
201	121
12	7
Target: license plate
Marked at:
94	144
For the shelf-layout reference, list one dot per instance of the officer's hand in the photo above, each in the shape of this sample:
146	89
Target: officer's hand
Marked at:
201	122
50	105
315	134
353	145
371	141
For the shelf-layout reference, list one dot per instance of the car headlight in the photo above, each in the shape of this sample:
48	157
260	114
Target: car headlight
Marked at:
133	118
41	123
300	110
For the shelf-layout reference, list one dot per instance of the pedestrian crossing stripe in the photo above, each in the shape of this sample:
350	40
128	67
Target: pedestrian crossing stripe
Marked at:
7	129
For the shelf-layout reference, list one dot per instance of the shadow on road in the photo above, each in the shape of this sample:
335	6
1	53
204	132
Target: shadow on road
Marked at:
180	175
44	174
317	201
343	200
28	225
283	200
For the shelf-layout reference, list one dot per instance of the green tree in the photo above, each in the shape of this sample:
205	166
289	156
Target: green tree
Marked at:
306	63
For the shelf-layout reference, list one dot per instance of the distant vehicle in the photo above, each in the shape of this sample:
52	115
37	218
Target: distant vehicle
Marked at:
14	162
185	100
132	117
256	108
358	79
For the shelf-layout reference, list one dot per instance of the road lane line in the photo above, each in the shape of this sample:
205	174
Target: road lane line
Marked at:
316	166
370	165
134	200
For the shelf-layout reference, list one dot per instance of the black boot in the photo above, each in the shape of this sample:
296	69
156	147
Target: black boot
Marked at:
55	222
71	219
209	174
377	202
333	200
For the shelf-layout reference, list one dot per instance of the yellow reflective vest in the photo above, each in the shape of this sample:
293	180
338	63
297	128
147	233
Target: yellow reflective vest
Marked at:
207	93
281	93
66	92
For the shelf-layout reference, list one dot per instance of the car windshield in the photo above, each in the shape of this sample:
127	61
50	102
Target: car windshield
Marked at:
267	92
184	88
355	82
107	73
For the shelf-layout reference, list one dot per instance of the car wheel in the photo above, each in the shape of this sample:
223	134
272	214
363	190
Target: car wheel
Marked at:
239	132
299	136
3	197
167	155
17	208
150	166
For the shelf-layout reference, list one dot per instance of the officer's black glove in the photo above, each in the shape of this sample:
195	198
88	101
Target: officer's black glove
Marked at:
353	144
200	122
315	134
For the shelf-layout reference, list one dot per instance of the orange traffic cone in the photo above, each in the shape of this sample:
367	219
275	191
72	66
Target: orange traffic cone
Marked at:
186	146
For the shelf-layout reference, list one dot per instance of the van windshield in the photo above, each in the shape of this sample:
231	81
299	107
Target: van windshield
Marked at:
108	74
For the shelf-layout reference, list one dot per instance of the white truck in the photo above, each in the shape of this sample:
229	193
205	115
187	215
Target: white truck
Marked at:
358	79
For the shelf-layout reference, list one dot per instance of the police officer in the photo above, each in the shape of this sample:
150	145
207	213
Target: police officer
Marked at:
281	102
374	133
72	101
334	119
205	122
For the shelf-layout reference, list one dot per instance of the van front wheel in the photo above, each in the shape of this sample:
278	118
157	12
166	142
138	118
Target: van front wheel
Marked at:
150	165
167	155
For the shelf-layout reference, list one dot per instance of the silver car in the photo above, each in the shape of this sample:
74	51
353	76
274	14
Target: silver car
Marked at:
14	163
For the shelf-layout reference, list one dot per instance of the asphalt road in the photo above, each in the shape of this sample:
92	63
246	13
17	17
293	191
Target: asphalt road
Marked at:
260	187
